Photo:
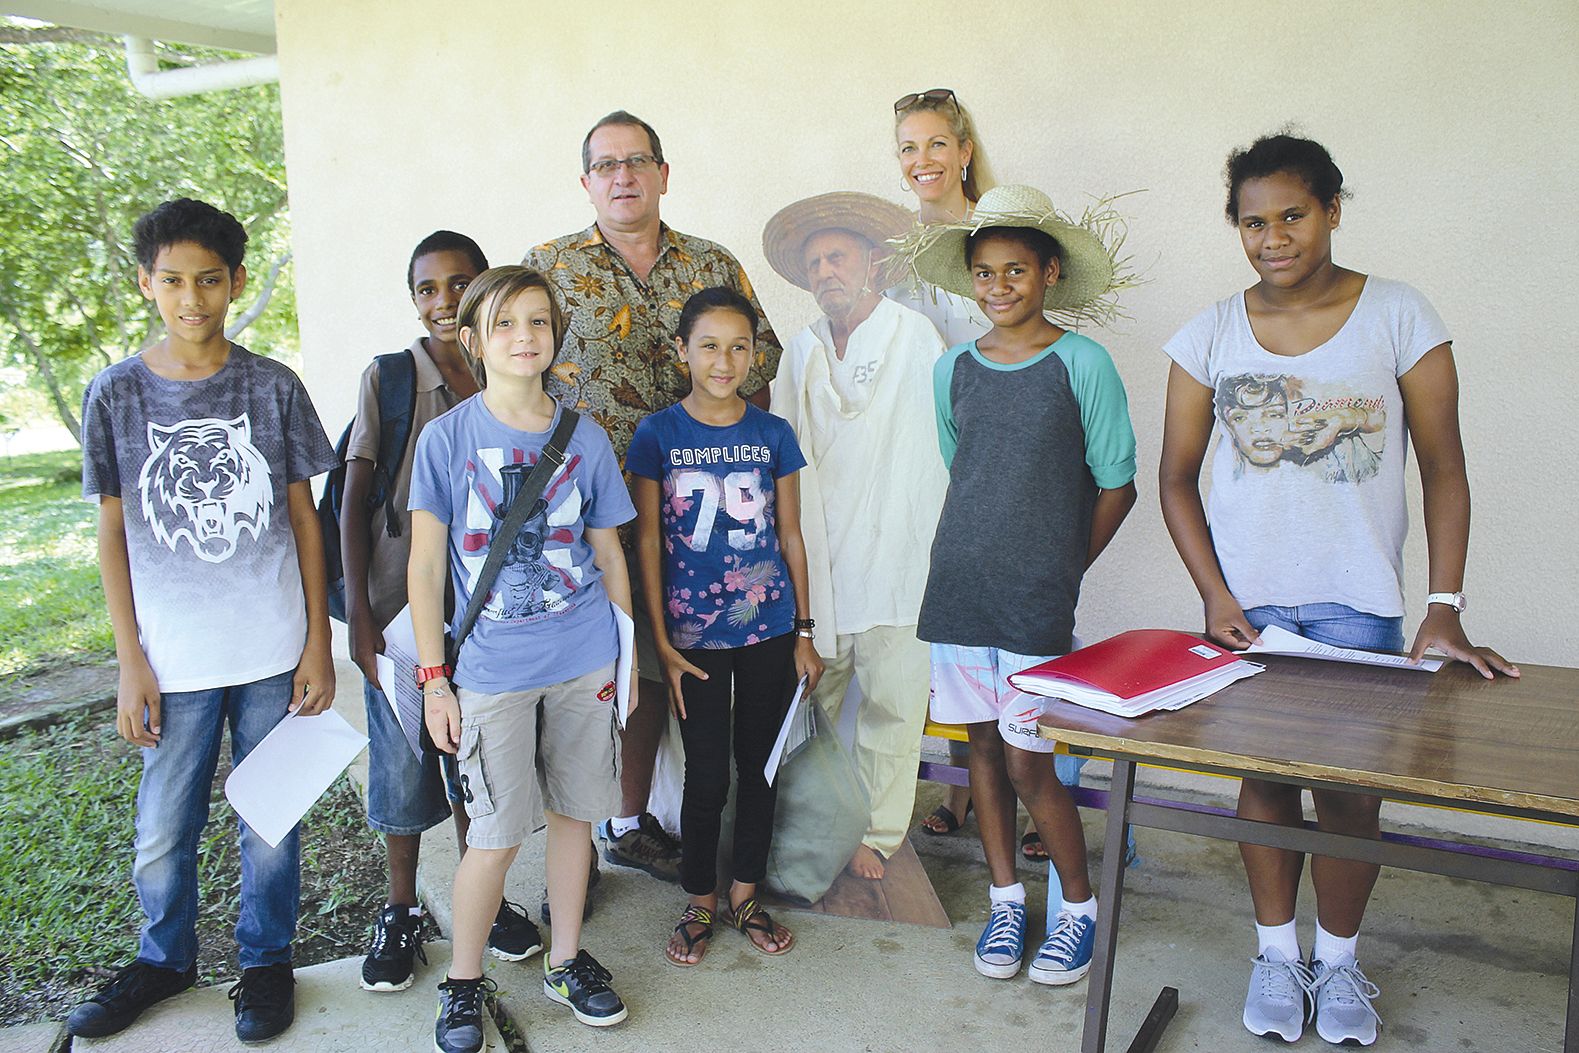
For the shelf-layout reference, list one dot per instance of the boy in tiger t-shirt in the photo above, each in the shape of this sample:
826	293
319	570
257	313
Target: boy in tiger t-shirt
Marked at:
200	455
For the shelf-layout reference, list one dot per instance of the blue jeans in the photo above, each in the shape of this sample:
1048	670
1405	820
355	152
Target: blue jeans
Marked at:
1333	624
172	809
405	796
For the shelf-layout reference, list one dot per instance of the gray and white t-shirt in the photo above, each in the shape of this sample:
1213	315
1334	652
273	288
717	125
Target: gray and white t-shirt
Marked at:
1307	495
201	468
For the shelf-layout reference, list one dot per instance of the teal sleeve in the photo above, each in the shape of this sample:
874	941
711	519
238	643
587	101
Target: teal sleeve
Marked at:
1104	411
943	404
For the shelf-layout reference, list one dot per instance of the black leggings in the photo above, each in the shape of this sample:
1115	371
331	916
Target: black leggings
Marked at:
763	676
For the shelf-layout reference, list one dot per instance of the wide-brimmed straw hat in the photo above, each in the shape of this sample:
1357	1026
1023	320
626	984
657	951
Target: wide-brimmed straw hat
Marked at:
1090	271
784	238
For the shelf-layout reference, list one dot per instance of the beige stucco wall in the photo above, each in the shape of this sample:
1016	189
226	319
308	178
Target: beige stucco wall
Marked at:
1452	119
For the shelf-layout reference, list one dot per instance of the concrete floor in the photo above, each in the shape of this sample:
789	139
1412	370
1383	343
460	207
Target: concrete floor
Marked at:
1462	966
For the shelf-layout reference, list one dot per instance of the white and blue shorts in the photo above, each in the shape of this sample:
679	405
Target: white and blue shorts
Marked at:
970	685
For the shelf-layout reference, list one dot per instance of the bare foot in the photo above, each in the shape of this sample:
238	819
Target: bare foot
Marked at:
866	863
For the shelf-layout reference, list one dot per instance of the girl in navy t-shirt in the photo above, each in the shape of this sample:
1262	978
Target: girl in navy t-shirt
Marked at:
724	571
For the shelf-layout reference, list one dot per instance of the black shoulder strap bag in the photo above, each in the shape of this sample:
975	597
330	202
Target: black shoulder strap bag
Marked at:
528	503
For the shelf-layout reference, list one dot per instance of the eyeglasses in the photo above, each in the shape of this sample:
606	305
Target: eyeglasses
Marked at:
637	163
931	95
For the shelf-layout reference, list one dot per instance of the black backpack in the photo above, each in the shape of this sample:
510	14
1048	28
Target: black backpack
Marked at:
397	407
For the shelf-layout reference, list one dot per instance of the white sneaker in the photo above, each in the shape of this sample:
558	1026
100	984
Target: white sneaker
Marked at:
1278	1002
1344	1015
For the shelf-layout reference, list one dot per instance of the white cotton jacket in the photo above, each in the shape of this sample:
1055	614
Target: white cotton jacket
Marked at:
874	481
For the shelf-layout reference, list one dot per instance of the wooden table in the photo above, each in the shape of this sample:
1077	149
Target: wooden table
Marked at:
1508	747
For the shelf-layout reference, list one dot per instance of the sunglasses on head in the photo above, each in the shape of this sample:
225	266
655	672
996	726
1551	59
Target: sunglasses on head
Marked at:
930	95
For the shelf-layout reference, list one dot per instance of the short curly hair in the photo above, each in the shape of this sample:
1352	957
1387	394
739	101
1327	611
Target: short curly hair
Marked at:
184	220
1283	152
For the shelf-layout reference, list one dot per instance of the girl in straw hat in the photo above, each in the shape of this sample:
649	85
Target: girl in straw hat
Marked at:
1310	376
1001	594
941	162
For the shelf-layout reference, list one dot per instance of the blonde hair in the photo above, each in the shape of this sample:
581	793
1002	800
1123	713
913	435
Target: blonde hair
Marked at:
977	179
487	294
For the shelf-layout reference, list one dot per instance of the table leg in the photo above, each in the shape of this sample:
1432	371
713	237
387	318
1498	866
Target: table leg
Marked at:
1100	991
1571	1036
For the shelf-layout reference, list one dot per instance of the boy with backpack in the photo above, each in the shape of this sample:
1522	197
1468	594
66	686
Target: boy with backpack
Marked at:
200	455
406	795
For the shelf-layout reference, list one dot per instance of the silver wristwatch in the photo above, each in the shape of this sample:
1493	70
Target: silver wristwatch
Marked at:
1455	600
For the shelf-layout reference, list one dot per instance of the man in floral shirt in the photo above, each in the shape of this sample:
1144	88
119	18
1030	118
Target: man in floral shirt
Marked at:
622	283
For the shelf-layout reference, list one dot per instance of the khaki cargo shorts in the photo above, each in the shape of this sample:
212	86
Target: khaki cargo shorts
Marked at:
553	748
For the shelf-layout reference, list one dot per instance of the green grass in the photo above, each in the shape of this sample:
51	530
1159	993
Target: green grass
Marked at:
51	604
67	792
66	813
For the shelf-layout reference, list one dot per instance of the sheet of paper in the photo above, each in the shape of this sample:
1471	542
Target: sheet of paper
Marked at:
396	675
792	733
1277	640
622	668
289	770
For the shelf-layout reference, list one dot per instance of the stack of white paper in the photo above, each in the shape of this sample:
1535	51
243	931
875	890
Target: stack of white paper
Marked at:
799	727
1277	640
1174	696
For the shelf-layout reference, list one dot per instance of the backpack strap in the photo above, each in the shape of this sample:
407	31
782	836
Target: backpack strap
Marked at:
397	409
528	502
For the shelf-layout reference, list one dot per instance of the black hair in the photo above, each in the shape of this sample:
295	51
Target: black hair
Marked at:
187	220
444	241
718	298
1038	241
1283	152
622	118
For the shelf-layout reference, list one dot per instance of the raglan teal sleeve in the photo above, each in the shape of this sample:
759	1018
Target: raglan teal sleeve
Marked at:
943	404
1104	411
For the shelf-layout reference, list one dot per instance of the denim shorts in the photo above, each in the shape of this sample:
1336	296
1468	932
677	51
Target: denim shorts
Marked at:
405	796
1333	624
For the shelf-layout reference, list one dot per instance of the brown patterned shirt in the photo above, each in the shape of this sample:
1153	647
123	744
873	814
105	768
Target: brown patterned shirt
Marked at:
617	361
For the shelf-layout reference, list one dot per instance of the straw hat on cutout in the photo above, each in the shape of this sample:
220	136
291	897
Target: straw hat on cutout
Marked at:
785	236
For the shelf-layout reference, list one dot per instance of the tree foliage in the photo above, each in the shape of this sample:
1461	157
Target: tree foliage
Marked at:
82	155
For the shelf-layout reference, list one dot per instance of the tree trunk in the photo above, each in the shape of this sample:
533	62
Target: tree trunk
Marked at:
41	362
250	315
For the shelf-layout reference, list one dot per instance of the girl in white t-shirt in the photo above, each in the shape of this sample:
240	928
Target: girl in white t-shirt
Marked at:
1314	379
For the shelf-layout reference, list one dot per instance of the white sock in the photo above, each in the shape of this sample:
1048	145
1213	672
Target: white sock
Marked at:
1283	938
1333	949
621	825
1014	893
1088	909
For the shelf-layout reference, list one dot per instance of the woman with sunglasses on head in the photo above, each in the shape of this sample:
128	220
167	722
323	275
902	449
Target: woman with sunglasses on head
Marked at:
936	144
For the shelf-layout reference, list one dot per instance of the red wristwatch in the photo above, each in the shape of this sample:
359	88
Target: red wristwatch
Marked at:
432	672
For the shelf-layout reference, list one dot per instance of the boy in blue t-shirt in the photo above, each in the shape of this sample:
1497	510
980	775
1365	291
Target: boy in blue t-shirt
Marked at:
531	716
200	455
1034	497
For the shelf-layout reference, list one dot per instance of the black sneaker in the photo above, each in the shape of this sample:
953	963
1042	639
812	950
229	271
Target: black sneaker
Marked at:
397	942
131	990
648	847
513	938
593	877
458	1028
265	998
583	985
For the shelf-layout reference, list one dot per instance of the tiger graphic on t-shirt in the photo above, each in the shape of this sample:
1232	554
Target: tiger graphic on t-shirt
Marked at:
206	482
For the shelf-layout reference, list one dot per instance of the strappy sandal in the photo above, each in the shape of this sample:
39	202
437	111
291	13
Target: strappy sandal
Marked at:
693	915
945	815
1038	854
749	917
